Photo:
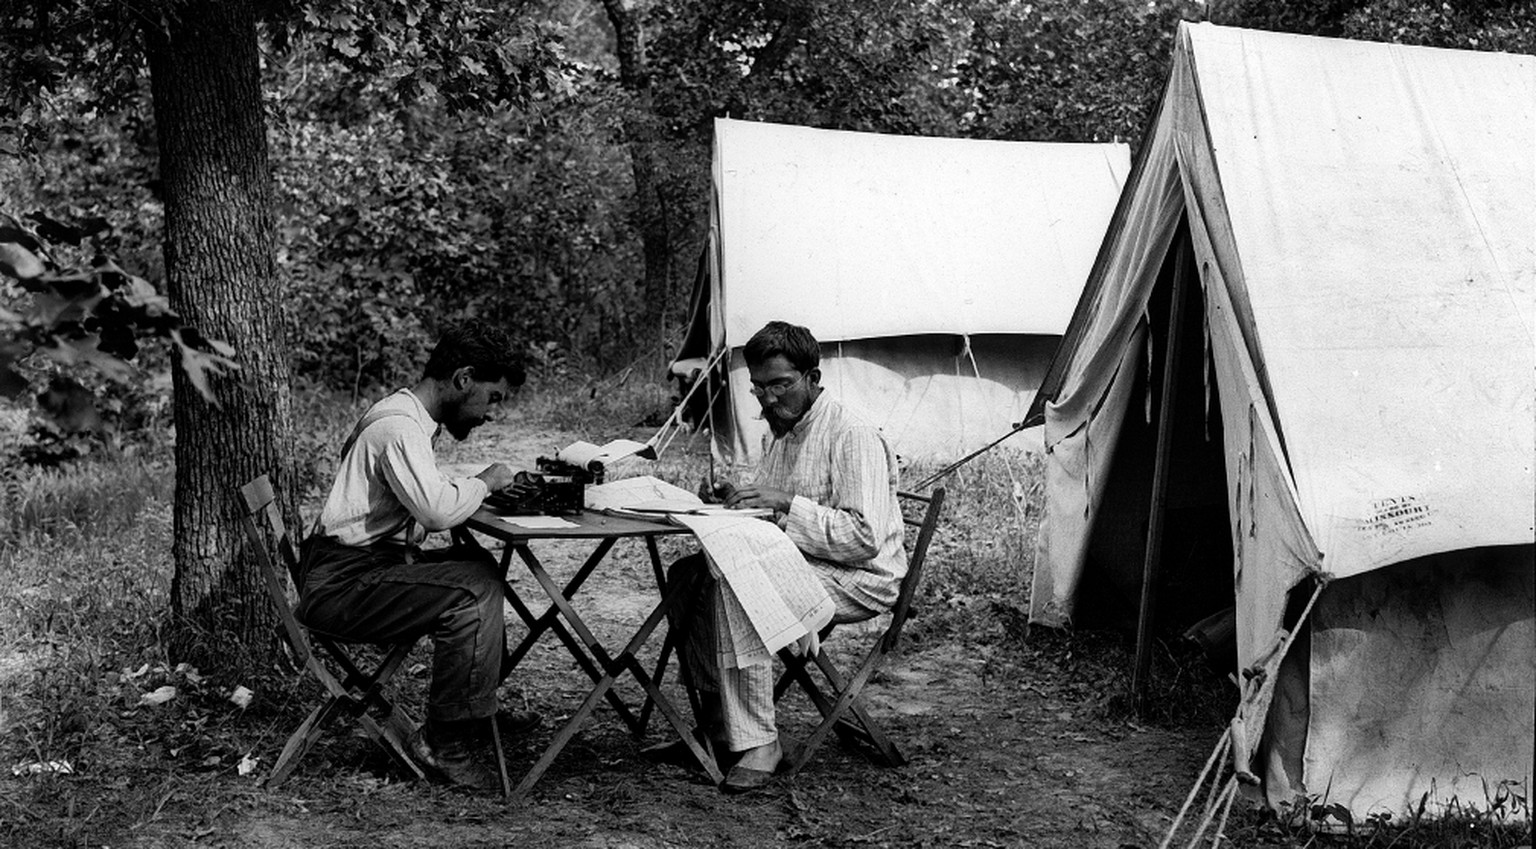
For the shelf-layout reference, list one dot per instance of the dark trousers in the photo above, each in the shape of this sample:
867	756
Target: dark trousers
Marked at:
373	595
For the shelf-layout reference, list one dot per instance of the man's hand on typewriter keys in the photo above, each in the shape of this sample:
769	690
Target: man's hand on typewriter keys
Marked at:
497	476
525	485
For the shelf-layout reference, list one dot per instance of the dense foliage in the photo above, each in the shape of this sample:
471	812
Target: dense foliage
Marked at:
78	324
398	221
440	160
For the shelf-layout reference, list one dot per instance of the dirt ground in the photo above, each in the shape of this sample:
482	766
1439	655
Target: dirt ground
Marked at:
1010	743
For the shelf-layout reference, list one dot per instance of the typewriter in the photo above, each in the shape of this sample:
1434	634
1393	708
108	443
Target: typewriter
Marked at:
556	489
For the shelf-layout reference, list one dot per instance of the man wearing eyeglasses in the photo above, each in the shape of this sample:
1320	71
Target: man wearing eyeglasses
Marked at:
830	479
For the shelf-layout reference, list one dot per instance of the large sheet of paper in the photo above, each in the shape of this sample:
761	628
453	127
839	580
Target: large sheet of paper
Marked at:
772	596
623	494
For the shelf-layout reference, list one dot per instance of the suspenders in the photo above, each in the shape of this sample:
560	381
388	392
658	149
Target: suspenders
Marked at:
373	415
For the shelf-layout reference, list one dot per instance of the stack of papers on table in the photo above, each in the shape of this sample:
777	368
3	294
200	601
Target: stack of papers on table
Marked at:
650	497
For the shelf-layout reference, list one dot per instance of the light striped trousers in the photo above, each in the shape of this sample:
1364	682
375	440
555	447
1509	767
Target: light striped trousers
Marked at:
747	718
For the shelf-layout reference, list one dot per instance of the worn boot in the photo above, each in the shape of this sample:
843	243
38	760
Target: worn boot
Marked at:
445	750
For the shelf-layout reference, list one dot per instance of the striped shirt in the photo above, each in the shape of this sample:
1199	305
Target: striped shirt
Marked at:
390	477
843	477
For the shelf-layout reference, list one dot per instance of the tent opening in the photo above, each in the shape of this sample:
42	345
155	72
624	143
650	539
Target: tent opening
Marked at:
1195	574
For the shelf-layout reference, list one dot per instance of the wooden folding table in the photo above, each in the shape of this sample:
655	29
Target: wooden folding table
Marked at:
562	618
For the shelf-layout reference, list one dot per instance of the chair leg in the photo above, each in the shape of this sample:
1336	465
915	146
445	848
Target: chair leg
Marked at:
501	760
657	677
388	736
846	714
363	695
302	738
397	728
798	673
870	733
865	729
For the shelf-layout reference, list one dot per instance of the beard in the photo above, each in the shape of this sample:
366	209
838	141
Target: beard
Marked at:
777	423
456	423
780	419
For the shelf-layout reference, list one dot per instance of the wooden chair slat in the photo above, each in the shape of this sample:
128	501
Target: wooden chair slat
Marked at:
360	687
843	710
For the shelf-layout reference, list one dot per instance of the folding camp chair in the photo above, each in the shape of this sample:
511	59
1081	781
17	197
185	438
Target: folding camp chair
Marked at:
844	711
358	692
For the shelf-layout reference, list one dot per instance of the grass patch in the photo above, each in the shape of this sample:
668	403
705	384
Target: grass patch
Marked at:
95	499
84	579
981	560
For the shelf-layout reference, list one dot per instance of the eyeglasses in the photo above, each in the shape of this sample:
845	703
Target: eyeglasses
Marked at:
777	388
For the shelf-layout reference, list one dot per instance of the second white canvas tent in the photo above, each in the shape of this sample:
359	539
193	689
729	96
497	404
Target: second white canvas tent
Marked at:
938	273
1353	228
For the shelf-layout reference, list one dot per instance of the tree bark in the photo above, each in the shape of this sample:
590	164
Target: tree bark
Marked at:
221	277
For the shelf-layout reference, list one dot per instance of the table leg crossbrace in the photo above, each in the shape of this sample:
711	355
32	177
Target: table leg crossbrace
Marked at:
595	661
549	620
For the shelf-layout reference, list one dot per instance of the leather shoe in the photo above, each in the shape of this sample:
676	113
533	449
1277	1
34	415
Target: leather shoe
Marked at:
451	762
742	779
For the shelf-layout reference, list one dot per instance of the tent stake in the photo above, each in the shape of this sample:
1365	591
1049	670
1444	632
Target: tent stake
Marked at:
1151	566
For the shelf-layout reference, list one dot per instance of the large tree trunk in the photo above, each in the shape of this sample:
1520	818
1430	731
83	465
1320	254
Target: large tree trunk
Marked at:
221	277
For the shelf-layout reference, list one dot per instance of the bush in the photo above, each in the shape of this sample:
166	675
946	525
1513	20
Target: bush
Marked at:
395	222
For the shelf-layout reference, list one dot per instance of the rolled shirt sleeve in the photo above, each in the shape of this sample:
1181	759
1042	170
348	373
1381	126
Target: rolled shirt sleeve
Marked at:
436	501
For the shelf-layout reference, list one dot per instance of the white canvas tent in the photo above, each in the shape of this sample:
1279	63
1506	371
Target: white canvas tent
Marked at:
938	273
1353	226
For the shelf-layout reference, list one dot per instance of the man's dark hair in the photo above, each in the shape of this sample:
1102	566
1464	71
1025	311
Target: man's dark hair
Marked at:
780	338
485	348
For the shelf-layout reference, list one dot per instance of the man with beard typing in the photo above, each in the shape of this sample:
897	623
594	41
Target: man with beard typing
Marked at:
363	576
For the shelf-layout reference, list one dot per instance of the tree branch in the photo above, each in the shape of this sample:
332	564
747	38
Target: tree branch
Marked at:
792	27
632	70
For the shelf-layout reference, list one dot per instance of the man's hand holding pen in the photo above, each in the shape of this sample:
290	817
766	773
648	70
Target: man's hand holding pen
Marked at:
750	495
714	492
753	495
